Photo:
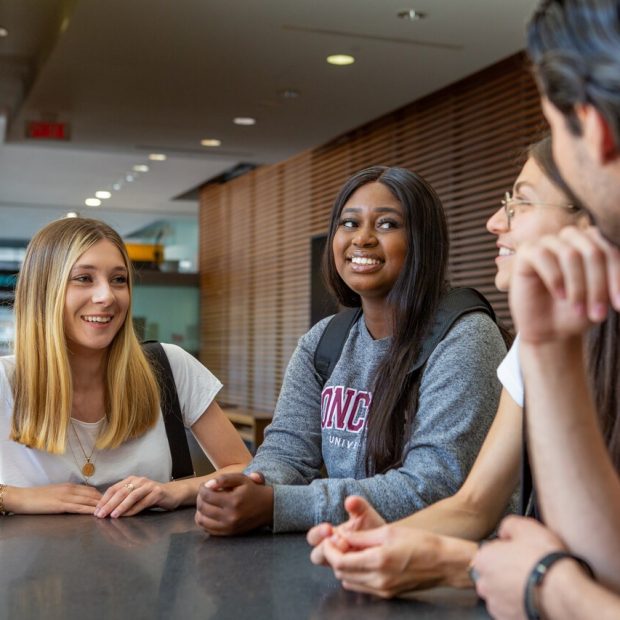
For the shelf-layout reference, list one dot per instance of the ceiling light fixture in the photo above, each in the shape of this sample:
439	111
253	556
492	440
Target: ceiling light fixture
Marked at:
92	202
3	32
289	93
411	14
244	120
103	194
157	157
141	168
117	186
211	142
340	60
72	214
129	178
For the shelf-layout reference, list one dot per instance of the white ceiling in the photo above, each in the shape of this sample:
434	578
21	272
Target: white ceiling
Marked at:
132	77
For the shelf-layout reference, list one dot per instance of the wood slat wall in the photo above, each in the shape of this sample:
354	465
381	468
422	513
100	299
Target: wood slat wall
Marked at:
255	230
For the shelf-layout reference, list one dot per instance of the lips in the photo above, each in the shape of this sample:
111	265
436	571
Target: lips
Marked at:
98	319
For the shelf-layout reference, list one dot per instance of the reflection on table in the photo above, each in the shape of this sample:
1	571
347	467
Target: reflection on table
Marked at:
159	565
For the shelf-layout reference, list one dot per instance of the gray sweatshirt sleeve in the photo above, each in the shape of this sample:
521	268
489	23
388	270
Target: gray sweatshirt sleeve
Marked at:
291	452
458	399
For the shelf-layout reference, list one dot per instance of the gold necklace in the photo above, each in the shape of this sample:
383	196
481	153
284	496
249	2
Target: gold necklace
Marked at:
88	469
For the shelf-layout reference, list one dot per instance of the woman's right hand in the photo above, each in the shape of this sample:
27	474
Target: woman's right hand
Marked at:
395	558
52	499
362	516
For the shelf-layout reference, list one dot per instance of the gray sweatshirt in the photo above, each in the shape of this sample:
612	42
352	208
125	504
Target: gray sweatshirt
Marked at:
315	425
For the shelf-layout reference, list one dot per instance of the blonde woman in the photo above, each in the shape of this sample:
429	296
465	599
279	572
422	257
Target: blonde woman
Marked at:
81	430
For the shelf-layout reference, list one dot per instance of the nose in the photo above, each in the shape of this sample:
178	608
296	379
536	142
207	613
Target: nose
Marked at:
102	293
498	222
364	237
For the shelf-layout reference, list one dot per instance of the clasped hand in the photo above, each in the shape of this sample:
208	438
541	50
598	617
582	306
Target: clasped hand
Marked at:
234	504
562	284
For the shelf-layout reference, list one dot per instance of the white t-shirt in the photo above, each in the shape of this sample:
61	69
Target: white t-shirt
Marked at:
509	373
148	455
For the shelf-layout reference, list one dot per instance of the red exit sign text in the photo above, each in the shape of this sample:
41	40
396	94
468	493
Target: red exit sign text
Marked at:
47	131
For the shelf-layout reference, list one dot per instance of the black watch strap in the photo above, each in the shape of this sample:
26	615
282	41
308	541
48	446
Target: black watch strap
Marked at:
538	574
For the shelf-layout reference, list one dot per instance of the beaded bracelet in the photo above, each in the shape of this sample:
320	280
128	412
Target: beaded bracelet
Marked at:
2	492
538	574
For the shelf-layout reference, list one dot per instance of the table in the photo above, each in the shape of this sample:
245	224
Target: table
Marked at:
159	565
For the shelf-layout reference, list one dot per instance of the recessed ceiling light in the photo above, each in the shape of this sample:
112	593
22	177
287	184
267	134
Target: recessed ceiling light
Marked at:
103	194
4	32
92	202
211	142
72	214
116	187
129	178
289	93
157	157
340	59
411	14
244	120
141	168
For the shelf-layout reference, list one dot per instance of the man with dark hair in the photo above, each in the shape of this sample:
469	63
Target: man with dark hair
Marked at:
561	286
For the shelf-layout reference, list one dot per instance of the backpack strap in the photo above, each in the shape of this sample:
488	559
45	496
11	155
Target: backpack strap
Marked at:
171	410
329	348
453	305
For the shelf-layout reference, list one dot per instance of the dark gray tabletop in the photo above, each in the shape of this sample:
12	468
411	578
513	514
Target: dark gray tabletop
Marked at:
159	565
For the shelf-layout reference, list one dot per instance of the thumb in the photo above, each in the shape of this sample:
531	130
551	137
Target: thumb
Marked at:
257	477
357	506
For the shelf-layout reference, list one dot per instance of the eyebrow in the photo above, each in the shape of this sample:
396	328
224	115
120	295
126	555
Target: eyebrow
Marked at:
378	209
94	268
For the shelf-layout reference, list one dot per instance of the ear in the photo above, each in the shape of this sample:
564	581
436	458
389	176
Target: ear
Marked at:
597	134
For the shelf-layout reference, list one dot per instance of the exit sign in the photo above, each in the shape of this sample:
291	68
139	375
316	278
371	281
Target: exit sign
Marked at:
40	130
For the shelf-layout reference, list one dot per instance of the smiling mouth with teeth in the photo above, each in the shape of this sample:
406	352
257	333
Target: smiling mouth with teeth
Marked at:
505	252
361	260
97	319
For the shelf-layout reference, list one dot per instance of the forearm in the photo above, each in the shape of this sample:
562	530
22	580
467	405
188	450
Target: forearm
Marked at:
579	490
453	517
568	594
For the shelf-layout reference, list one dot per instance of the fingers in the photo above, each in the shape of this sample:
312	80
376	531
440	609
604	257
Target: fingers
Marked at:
578	266
363	539
257	477
228	481
319	533
129	497
362	514
317	556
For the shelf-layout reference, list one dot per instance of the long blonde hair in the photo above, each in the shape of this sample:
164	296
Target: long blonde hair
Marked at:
42	383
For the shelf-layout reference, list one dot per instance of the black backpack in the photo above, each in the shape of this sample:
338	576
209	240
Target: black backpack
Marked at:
171	410
454	304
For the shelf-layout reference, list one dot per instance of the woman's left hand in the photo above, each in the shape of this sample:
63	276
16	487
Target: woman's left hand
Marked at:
133	495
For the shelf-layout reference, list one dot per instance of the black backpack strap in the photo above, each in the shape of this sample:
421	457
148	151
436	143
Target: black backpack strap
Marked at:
171	410
327	352
454	304
529	503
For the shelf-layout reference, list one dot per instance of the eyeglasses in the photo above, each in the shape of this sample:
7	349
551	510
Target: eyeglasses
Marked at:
512	204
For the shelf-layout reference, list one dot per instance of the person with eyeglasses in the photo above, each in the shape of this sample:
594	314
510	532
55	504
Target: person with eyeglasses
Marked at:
562	285
435	546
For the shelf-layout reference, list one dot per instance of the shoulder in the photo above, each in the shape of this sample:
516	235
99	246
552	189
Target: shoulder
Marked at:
7	368
474	334
311	338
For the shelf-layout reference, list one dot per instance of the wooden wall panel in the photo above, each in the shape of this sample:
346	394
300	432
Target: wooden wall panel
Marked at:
256	230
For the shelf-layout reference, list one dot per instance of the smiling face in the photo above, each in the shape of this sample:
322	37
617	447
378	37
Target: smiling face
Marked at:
97	298
530	222
370	244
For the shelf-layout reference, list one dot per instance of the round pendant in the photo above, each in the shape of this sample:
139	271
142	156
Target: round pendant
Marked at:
89	469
